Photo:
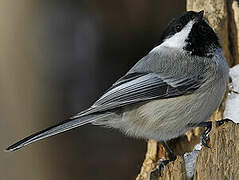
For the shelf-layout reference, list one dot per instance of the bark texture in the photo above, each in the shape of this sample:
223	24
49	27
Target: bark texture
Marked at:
221	160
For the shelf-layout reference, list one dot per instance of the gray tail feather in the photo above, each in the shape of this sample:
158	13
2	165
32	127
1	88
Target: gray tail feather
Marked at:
53	130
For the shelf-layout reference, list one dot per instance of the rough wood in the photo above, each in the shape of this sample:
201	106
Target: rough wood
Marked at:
234	17
178	169
221	161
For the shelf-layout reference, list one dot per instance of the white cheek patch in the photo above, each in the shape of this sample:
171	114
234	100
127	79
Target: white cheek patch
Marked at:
178	40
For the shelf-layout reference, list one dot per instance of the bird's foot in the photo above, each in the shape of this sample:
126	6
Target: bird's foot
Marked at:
160	166
221	122
163	162
204	138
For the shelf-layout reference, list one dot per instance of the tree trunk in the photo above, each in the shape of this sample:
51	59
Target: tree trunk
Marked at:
221	160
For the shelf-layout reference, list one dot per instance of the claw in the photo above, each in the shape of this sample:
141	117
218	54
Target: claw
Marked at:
159	168
204	140
162	163
205	135
221	122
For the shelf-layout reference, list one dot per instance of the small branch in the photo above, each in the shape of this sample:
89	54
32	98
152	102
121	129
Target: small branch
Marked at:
149	162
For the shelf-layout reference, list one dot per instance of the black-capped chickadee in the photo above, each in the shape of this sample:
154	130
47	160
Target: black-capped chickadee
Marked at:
175	87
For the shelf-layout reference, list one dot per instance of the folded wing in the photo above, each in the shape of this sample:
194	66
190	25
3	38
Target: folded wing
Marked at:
137	87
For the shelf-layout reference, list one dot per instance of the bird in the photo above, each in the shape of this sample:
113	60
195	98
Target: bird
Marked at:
177	86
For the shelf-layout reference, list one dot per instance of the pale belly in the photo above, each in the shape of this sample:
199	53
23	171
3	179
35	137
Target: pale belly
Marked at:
169	118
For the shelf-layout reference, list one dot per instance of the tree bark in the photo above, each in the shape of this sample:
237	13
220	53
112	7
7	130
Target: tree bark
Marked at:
221	160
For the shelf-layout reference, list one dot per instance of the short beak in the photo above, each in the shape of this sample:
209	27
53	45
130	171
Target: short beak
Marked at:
200	15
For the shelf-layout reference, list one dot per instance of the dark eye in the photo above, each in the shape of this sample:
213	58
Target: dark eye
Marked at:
203	29
191	16
178	27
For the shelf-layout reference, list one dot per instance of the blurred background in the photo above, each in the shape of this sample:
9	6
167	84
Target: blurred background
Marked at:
56	58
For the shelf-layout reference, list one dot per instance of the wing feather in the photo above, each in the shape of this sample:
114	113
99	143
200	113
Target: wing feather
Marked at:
138	87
